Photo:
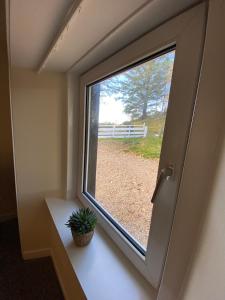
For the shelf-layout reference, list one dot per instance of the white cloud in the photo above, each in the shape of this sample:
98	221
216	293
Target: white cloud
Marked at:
111	111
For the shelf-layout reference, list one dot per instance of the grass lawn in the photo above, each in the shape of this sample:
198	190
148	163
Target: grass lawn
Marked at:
148	147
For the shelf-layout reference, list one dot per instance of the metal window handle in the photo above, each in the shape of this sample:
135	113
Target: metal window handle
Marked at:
165	174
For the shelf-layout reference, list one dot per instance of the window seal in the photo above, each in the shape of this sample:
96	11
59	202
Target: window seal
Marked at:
131	240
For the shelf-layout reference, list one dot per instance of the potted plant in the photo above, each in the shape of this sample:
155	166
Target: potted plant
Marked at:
82	224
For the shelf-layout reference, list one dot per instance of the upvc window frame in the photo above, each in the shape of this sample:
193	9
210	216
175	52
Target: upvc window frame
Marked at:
87	194
186	32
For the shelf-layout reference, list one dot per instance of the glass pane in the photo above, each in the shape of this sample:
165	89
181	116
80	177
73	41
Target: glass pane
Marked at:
126	118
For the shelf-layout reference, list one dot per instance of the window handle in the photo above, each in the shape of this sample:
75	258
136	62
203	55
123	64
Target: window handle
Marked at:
165	174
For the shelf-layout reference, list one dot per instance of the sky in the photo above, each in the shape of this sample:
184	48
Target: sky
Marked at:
111	111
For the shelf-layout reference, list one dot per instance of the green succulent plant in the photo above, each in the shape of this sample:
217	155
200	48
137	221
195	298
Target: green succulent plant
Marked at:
82	221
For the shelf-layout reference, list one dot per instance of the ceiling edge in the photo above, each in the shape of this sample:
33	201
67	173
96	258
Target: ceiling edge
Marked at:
74	8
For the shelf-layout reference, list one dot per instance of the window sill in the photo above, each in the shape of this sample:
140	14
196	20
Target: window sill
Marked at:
100	267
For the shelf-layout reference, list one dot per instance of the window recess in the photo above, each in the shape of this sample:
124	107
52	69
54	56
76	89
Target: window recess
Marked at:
133	137
125	120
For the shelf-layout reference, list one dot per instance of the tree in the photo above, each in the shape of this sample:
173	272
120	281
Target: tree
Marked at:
143	89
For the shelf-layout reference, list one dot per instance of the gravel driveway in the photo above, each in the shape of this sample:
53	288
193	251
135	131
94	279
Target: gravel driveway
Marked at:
124	185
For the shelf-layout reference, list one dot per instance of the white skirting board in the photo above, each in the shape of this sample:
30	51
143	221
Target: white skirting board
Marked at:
31	254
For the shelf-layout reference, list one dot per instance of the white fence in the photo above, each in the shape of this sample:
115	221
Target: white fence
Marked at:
122	131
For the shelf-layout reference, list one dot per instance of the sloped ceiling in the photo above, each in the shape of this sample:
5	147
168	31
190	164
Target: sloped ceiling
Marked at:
40	39
94	20
33	24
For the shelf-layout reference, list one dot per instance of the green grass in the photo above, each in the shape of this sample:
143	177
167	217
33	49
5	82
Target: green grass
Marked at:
148	147
155	125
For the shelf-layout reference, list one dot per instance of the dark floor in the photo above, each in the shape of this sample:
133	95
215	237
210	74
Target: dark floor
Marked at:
32	279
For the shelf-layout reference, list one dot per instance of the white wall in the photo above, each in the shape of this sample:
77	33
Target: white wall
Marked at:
205	279
39	104
72	133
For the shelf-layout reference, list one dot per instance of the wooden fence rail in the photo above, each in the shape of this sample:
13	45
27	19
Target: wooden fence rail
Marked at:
122	131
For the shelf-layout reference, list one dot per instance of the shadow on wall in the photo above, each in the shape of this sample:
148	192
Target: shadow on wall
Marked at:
34	220
7	181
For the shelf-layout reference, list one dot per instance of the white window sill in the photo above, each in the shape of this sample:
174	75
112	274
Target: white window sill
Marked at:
101	268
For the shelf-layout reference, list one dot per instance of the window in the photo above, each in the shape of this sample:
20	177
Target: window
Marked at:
125	120
135	114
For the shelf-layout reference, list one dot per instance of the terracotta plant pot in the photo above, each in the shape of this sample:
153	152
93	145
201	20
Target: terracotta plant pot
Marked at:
82	240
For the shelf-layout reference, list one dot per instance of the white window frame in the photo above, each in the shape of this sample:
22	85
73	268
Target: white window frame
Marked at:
186	31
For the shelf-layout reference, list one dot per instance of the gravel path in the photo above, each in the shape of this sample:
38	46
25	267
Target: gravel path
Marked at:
124	185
